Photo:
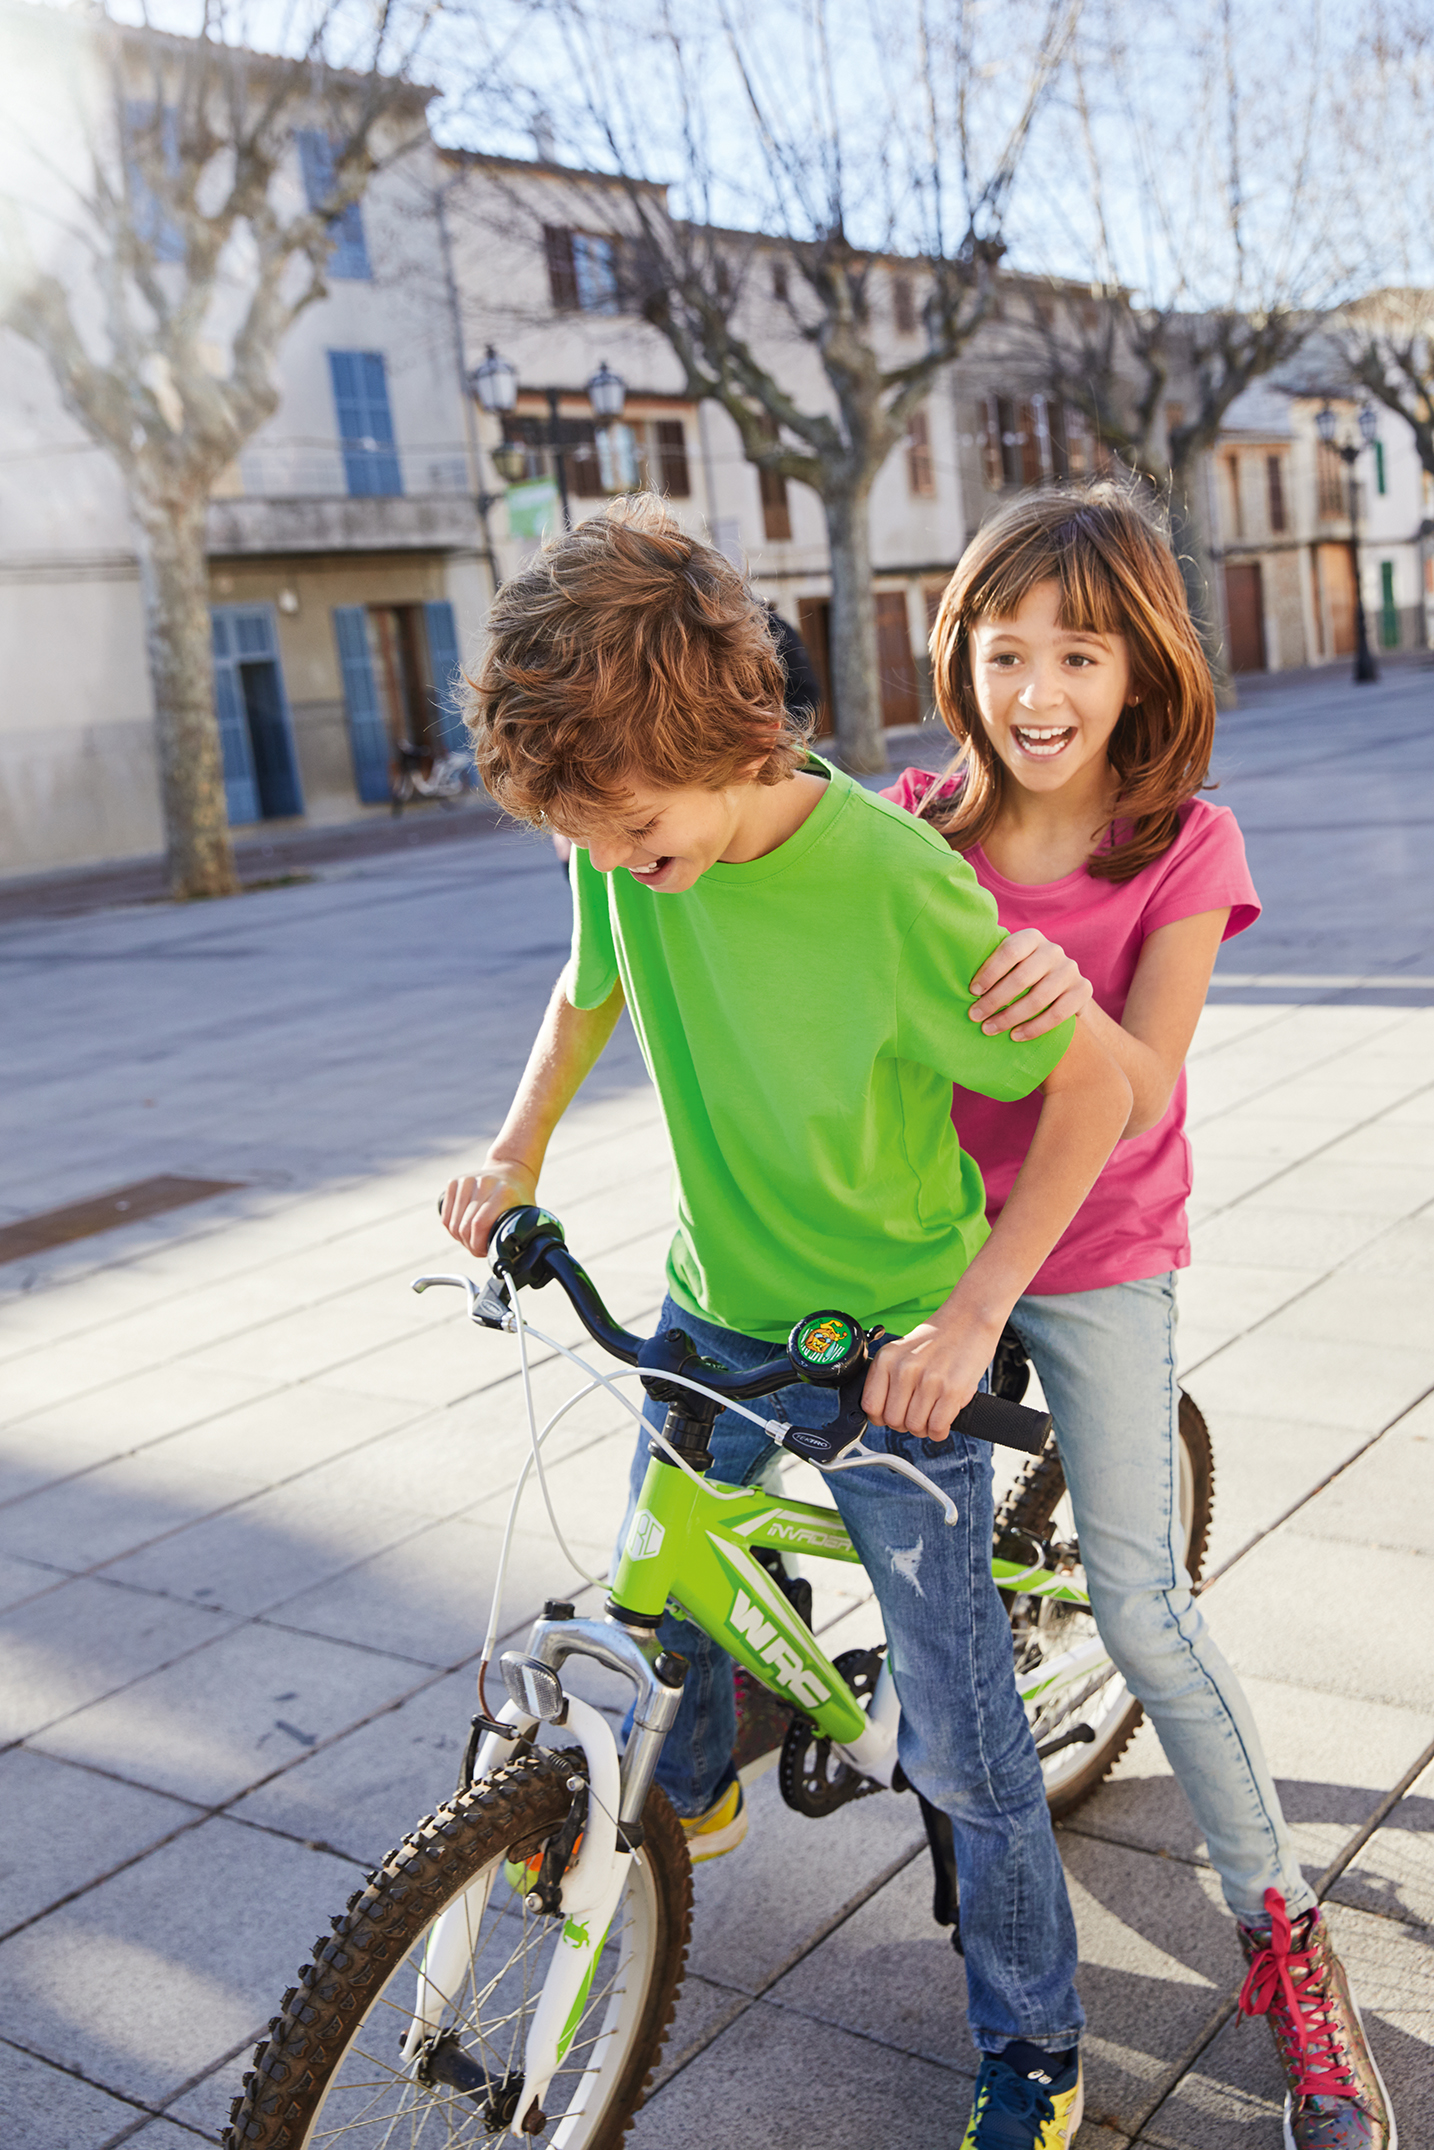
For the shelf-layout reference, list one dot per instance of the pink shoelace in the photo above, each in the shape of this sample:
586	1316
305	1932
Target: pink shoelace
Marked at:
1303	2011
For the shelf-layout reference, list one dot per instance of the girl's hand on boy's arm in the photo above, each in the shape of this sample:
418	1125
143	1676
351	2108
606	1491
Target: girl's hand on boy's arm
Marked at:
921	1382
1027	986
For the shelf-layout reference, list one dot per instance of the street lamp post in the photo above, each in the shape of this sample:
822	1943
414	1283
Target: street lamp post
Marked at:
495	384
1366	669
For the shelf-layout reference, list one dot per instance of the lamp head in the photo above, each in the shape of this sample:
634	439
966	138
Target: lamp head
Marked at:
510	460
607	392
1368	420
495	383
1325	424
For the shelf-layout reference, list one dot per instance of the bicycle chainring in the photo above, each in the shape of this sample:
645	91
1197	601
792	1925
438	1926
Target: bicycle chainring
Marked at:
814	1779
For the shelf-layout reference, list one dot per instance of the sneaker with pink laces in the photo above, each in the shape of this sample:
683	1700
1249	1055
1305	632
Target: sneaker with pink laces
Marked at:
1335	2097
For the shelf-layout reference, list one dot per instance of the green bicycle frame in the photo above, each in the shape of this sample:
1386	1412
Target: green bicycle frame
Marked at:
694	1542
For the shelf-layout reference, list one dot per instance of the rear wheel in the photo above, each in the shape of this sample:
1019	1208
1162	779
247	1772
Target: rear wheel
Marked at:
1101	1712
331	2071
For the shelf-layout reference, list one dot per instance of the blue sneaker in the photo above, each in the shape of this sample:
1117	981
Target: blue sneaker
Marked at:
1012	2111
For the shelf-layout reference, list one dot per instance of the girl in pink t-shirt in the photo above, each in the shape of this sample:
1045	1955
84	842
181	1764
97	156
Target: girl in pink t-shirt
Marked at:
1067	668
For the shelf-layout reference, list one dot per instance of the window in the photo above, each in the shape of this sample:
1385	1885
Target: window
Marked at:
779	281
617	458
991	468
360	385
903	305
920	471
776	511
1275	486
1388	610
580	454
582	270
1379	480
1330	478
349	255
154	227
398	664
669	463
1237	512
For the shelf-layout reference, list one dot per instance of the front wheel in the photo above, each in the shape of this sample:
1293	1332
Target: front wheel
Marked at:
332	2070
1086	1730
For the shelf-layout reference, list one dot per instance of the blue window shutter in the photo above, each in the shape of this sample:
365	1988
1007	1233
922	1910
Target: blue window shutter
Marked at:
365	423
443	670
368	735
1379	481
152	225
350	249
241	791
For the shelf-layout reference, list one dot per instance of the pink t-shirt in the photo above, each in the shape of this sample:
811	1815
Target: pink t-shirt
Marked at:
1132	1223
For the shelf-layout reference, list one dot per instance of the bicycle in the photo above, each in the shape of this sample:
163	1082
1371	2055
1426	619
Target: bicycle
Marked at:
513	1966
418	774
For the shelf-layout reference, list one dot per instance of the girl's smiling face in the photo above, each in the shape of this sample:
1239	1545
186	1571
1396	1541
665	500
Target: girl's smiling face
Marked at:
1049	697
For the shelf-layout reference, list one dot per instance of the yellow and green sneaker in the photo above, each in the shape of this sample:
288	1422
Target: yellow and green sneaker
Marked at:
720	1829
1040	2110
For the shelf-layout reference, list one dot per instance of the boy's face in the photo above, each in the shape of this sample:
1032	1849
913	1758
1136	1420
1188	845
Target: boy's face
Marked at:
667	839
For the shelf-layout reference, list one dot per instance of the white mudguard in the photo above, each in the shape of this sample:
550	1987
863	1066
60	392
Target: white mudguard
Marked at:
591	1890
449	1948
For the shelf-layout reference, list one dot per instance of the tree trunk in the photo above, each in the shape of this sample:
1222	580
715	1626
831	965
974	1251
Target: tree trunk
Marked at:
1189	532
856	689
175	577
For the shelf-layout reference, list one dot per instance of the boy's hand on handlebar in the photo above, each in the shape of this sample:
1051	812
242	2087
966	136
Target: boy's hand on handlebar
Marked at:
1027	986
919	1383
472	1205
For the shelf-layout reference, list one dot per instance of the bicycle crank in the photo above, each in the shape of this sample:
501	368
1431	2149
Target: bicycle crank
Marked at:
814	1779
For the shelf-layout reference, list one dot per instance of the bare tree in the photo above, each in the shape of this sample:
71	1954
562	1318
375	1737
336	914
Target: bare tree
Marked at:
1386	112
808	146
1203	216
183	259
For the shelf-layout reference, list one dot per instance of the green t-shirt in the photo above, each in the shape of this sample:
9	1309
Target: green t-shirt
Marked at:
804	1018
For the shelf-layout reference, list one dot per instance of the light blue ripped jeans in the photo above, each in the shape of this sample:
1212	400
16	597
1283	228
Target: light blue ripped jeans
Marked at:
1107	1365
964	1741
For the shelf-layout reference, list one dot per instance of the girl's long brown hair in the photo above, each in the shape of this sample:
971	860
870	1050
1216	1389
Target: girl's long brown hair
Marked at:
1117	576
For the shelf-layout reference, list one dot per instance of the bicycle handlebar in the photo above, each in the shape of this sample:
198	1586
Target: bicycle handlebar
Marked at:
827	1350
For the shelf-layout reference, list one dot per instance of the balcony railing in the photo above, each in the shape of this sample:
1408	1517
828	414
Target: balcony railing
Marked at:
353	470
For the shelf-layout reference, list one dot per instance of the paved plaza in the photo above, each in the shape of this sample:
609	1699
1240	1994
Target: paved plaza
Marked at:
253	1487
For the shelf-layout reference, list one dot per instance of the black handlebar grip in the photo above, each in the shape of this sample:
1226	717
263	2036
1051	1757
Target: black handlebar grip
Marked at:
1009	1425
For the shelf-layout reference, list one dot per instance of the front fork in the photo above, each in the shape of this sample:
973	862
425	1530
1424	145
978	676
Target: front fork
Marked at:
593	1884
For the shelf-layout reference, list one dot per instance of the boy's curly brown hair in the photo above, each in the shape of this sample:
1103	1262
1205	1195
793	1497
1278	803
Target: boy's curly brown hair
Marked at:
628	650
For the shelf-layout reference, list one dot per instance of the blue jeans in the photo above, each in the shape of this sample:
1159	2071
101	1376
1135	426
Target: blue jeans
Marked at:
1107	1364
964	1743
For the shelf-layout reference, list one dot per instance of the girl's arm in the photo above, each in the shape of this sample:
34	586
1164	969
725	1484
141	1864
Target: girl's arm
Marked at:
1150	1041
919	1384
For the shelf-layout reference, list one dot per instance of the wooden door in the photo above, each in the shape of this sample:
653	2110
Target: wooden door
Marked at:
1336	574
1245	609
814	625
895	664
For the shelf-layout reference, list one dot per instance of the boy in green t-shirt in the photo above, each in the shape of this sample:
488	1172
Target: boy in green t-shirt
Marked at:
787	946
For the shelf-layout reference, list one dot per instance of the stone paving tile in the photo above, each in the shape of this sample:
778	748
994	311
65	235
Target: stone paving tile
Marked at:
1321	1648
92	1519
262	1553
1361	1308
221	1719
1262	1233
1387	1497
60	1653
23	1579
288	1431
45	2108
1393	1874
1232	2098
1331	1381
428	1598
163	1969
1262	1465
1331	1768
774	2079
135	1412
64	1827
1232	1296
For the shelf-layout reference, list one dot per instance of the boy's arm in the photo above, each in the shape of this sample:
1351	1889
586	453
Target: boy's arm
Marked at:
565	1049
918	1385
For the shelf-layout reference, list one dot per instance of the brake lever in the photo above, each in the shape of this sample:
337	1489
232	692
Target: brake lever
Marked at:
487	1302
853	1458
